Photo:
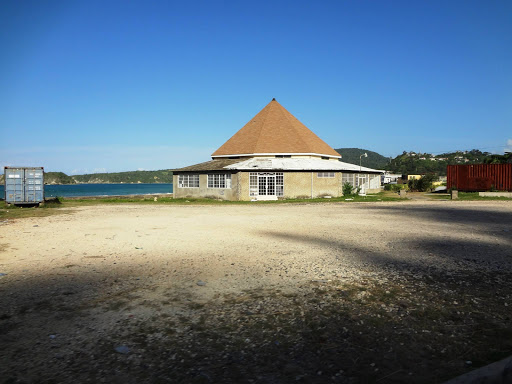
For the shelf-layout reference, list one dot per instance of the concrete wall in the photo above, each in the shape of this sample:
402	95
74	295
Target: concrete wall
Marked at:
203	190
496	194
243	187
301	184
296	184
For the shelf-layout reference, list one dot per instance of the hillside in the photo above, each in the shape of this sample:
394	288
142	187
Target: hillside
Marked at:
135	177
374	160
57	178
162	176
420	163
52	178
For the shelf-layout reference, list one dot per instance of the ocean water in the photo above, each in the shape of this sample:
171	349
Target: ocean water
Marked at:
77	190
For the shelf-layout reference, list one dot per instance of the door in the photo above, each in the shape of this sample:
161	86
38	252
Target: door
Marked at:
14	190
266	184
362	184
33	185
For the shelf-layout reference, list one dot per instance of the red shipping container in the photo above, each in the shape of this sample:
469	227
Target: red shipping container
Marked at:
480	177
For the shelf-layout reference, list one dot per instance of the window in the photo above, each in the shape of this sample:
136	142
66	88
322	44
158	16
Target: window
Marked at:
326	174
362	180
188	181
279	184
348	178
325	158
253	184
219	180
283	156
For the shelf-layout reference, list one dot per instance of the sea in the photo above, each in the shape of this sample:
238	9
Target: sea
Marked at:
81	190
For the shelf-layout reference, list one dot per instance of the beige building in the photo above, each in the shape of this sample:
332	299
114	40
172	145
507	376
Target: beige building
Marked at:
273	156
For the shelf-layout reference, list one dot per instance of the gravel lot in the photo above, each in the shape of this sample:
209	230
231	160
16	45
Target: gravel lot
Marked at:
345	293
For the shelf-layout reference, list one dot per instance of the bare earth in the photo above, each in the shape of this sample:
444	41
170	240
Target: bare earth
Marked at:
344	293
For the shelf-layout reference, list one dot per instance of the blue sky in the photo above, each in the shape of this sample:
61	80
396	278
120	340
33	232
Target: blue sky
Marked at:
122	85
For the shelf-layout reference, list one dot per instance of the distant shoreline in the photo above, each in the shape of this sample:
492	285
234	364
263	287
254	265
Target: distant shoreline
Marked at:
107	183
99	197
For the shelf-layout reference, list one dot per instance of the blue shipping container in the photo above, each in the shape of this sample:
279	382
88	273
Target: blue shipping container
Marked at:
24	185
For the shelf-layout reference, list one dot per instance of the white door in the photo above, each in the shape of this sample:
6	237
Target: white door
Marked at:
266	184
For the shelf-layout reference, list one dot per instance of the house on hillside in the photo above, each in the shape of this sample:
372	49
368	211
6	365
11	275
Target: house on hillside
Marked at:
273	156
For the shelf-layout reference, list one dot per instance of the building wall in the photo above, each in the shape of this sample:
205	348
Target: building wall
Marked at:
296	184
243	188
308	184
203	190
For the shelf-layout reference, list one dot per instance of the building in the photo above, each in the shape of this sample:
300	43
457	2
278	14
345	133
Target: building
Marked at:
273	156
480	177
390	178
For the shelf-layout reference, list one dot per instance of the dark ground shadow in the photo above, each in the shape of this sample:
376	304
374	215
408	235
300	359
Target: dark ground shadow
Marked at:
405	321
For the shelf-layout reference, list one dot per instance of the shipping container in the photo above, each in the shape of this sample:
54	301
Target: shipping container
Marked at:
480	177
24	185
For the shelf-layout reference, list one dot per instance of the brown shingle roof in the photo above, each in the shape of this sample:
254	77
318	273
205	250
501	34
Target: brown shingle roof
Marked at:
274	130
212	165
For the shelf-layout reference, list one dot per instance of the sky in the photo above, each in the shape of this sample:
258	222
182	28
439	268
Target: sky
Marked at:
109	86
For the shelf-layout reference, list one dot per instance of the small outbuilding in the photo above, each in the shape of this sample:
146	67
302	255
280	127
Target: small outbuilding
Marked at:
480	177
273	156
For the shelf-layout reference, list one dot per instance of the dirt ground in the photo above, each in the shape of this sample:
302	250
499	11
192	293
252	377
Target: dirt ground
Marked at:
406	292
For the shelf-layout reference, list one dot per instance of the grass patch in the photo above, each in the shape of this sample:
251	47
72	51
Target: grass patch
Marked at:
53	207
204	201
441	196
61	205
475	196
466	196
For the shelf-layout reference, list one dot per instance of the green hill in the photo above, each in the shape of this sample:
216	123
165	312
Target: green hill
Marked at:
374	160
162	176
57	178
132	177
420	163
52	178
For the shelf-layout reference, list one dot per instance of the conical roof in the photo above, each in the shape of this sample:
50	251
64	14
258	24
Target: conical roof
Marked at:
274	130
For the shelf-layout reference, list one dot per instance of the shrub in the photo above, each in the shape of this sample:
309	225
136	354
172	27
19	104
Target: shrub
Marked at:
422	184
347	189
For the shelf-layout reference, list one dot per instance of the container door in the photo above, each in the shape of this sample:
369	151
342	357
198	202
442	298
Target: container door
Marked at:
38	185
30	193
33	185
14	191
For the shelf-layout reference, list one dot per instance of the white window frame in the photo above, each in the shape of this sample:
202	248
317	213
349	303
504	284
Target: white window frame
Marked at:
280	184
348	178
188	180
253	184
219	180
325	175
